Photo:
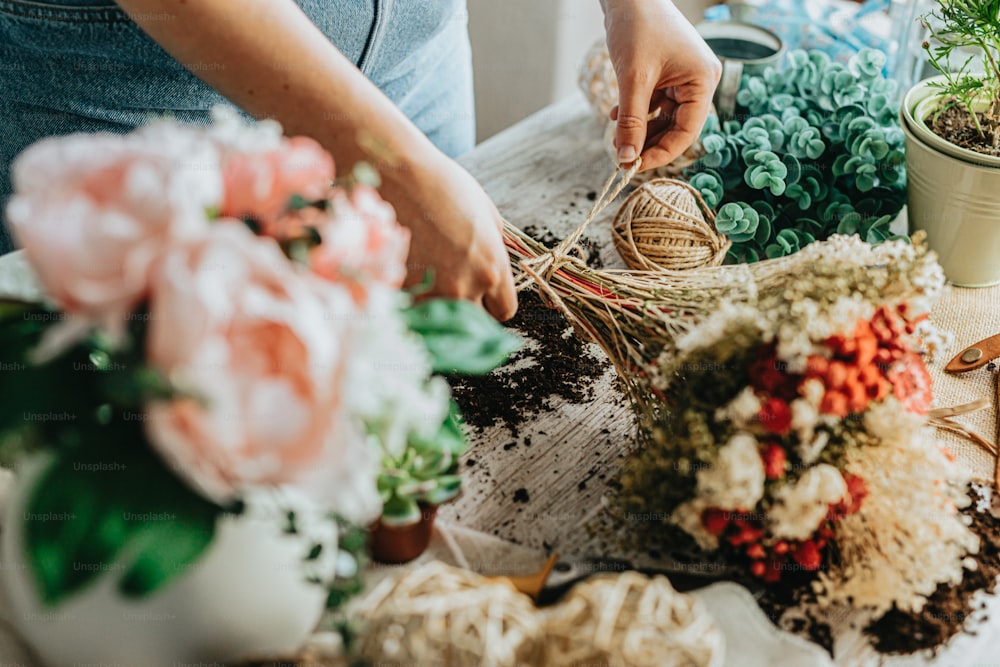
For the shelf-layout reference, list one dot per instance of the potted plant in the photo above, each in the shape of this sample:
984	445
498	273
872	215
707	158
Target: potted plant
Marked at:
814	149
422	473
952	128
204	400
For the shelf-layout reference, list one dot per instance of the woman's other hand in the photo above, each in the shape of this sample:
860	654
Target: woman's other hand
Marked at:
661	63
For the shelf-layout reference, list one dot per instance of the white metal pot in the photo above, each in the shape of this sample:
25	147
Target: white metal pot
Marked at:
954	197
245	598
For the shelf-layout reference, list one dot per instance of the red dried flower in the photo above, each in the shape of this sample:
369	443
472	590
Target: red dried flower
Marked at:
911	383
772	573
767	375
775	416
774	458
834	403
747	534
808	556
715	521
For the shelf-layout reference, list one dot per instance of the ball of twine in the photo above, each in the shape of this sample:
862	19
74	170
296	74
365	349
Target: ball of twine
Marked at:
441	615
631	620
665	224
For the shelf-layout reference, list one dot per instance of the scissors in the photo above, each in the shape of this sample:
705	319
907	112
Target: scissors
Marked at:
976	356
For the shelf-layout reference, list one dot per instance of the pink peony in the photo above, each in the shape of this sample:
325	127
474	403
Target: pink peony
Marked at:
361	241
93	211
260	183
260	348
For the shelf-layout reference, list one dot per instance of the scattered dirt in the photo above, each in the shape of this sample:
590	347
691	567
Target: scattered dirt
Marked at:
554	363
521	496
955	126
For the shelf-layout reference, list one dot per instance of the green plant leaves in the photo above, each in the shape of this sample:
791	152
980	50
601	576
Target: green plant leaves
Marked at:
811	139
461	337
709	184
765	170
737	221
425	473
112	510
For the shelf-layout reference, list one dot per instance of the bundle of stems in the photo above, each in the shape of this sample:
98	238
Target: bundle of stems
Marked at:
634	316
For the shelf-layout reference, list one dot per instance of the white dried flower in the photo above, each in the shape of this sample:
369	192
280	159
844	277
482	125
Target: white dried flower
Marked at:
736	481
909	536
799	509
687	517
742	410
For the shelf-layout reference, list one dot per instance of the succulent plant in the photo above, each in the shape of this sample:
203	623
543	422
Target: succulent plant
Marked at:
425	473
460	339
818	151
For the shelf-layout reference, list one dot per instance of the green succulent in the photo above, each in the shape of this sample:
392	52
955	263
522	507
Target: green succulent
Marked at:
460	338
812	138
425	473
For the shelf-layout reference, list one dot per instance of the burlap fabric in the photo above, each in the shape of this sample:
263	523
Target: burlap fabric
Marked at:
971	315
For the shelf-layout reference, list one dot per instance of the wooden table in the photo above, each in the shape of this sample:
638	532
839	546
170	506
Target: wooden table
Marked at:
540	172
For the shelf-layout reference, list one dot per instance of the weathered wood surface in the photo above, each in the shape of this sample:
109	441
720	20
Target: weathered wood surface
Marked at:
540	172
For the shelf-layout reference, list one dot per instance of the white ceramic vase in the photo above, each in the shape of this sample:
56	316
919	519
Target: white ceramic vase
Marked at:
245	598
953	194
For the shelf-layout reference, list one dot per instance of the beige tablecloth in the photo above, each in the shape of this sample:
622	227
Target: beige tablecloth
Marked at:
972	315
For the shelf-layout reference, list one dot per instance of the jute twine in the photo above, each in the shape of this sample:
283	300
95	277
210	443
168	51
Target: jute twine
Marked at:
440	615
631	620
665	224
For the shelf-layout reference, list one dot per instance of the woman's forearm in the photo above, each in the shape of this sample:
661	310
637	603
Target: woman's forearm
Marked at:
268	58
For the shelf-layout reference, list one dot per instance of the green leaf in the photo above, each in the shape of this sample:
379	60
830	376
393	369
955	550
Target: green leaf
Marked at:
109	509
171	544
460	337
11	309
400	512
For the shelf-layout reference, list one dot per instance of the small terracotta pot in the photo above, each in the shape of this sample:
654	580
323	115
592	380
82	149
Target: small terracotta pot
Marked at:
395	545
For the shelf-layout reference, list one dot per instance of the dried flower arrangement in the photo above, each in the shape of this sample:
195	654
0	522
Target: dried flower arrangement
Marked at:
816	150
792	432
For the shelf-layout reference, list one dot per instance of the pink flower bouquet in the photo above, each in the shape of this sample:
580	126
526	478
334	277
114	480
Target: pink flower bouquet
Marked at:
226	327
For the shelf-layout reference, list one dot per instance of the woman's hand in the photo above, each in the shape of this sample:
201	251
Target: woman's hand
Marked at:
661	63
457	236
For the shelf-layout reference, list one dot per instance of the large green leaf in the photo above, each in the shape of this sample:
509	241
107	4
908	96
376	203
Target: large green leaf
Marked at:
460	337
112	509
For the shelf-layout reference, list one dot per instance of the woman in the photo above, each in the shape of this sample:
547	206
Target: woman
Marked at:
343	72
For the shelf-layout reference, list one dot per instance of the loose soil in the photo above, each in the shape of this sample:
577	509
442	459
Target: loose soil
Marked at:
955	126
554	363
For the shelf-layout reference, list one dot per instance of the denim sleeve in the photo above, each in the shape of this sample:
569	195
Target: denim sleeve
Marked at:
84	66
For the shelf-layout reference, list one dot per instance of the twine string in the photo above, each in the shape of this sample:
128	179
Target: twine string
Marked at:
540	269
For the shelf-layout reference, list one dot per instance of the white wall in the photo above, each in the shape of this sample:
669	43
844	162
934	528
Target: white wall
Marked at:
526	53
